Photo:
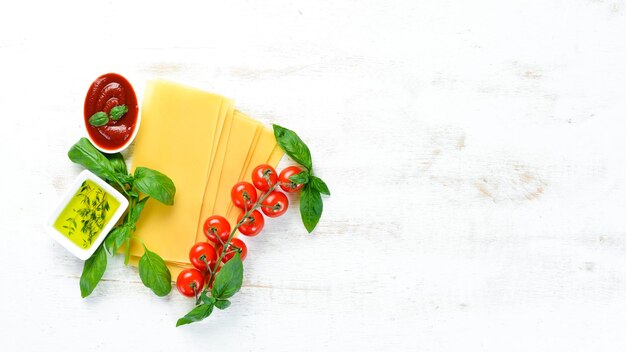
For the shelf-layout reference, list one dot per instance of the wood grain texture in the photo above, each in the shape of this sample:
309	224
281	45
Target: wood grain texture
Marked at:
474	150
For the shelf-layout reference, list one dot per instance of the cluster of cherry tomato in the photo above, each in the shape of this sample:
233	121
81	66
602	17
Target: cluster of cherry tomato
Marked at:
273	203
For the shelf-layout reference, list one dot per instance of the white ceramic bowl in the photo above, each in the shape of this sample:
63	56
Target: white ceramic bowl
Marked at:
80	252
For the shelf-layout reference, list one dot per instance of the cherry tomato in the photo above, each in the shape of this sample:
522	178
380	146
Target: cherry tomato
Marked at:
285	183
252	225
217	225
263	177
237	243
275	204
243	193
189	279
202	249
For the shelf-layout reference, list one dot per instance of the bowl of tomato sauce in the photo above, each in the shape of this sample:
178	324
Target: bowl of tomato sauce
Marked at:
111	113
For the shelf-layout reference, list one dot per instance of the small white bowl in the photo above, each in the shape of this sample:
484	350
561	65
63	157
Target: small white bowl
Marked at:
80	252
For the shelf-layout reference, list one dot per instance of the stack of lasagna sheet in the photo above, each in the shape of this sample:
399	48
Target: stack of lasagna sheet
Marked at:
205	146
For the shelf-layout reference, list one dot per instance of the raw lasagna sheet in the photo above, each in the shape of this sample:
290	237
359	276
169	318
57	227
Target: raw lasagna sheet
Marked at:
260	155
239	142
175	138
206	146
212	182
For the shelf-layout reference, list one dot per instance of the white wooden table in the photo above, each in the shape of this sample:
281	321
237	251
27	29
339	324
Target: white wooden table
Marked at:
475	150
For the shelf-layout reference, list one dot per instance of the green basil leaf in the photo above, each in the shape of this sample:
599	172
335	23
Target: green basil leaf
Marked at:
301	178
118	164
99	119
222	304
319	185
117	112
206	298
125	178
293	146
229	279
136	210
85	154
127	253
197	314
116	238
311	207
155	184
154	273
93	269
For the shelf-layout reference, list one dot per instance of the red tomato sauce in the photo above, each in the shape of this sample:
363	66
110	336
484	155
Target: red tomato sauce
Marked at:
105	93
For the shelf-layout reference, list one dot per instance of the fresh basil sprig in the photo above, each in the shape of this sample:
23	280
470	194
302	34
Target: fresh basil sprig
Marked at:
155	184
227	282
301	178
101	118
117	237
197	314
86	155
311	205
152	269
229	279
117	112
318	184
118	163
154	273
93	270
293	146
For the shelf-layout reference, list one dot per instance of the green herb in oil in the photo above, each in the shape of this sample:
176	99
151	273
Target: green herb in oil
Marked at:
84	217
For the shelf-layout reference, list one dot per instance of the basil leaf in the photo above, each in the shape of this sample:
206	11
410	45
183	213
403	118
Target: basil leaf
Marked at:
127	254
319	185
229	279
155	184
116	238
85	154
99	119
207	299
293	146
117	112
197	314
311	207
136	210
222	304
133	193
93	269
117	163
301	178
154	273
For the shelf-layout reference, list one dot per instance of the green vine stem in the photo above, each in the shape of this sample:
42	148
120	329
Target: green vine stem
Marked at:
232	234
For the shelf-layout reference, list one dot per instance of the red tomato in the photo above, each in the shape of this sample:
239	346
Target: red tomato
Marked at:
236	243
189	282
285	183
252	225
243	193
263	177
216	225
202	249
275	204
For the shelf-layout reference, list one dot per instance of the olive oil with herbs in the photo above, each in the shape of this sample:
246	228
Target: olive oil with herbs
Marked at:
86	214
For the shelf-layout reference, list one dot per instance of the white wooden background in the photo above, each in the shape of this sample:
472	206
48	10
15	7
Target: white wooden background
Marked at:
475	151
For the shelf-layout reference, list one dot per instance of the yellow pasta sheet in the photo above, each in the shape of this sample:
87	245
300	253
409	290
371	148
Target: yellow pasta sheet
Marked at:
178	125
261	154
206	146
